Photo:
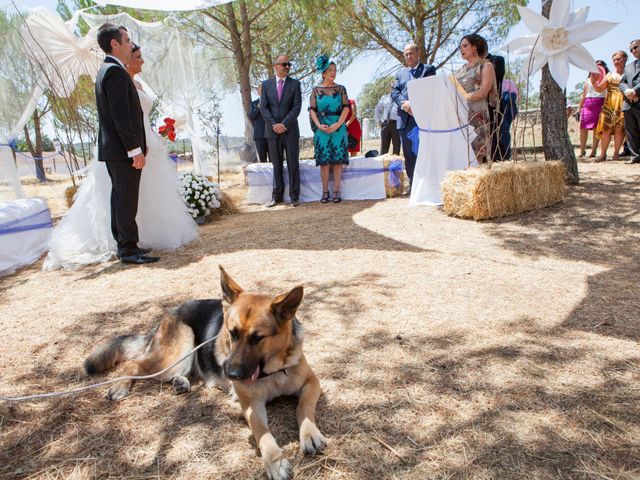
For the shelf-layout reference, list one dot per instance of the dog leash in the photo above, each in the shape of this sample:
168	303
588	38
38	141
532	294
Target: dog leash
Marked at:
42	396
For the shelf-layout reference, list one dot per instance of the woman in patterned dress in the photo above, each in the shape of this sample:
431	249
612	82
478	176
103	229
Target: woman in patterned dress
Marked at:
611	122
478	78
328	109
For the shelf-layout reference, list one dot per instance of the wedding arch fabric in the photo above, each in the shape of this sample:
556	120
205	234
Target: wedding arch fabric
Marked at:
19	94
164	5
445	139
177	70
41	52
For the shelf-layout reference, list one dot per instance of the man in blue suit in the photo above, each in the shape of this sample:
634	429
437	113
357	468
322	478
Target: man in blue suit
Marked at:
406	122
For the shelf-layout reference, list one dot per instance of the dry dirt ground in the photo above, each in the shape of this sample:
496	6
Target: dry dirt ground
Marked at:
445	348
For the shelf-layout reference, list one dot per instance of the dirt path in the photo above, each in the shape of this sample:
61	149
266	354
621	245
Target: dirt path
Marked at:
446	348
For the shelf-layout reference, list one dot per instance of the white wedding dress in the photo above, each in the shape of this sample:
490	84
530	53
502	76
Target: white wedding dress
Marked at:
84	237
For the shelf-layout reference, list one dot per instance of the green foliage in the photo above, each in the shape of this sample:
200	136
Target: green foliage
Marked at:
576	95
47	143
370	95
435	26
275	27
65	10
78	113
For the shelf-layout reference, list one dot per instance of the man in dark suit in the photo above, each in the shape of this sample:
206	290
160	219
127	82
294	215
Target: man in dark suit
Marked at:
630	87
399	94
262	146
280	105
495	115
121	140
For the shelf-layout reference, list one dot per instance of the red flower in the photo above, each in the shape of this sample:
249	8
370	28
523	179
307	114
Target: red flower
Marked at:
168	130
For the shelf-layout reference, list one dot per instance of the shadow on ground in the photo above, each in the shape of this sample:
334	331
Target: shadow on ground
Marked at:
599	223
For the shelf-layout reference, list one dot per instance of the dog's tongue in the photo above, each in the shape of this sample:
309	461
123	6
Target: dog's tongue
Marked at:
254	375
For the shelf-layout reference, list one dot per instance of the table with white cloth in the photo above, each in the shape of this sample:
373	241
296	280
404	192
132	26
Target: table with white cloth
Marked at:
442	115
25	228
362	179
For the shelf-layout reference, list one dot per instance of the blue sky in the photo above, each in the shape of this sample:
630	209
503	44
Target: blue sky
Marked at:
367	67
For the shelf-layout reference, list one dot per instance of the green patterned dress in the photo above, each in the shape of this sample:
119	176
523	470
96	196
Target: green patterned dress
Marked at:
328	102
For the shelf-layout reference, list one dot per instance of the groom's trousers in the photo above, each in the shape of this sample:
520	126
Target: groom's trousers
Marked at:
125	186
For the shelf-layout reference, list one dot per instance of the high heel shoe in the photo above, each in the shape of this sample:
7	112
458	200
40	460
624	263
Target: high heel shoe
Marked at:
336	197
325	197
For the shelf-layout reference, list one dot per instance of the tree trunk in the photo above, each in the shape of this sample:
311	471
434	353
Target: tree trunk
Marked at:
555	132
35	149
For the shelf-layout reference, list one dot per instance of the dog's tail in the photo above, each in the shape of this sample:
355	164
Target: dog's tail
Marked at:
119	349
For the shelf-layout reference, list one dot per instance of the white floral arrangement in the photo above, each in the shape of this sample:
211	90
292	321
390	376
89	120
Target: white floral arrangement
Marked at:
199	194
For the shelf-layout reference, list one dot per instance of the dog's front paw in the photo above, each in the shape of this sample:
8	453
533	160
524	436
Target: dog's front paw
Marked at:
279	469
181	385
117	393
311	440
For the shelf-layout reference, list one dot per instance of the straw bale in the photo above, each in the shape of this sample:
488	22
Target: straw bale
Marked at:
506	189
69	194
390	190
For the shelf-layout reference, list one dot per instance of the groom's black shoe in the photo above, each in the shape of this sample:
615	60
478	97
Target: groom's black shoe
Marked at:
139	259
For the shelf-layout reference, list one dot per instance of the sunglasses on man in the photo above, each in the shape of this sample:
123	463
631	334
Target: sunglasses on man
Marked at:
633	48
285	64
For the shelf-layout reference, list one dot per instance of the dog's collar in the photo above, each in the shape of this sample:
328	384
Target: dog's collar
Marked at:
265	375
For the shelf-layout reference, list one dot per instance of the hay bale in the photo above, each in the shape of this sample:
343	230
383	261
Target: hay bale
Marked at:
227	207
392	191
505	189
69	194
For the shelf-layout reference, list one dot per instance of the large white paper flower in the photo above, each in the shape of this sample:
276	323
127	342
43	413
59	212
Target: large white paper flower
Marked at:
557	40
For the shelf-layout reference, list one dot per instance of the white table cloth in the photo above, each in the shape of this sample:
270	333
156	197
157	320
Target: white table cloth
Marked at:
445	141
25	227
362	179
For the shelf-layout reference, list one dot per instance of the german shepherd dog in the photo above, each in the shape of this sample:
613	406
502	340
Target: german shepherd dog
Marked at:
258	348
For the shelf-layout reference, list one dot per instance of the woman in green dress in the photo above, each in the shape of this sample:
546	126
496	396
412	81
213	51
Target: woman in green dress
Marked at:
328	109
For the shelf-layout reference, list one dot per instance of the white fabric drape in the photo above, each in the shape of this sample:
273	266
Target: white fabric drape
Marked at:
164	5
58	55
362	179
445	144
25	228
179	71
18	98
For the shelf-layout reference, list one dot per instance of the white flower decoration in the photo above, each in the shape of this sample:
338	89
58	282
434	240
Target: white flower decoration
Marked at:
557	40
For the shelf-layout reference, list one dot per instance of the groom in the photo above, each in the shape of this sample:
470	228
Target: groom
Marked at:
121	140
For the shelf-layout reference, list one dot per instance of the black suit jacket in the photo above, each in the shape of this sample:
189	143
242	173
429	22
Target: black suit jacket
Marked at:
256	119
630	79
400	94
120	117
285	111
499	67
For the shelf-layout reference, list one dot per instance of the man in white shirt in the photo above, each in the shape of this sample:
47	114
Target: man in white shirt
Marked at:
386	115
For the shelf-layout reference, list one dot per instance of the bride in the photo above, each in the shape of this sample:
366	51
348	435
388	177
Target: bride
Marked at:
84	237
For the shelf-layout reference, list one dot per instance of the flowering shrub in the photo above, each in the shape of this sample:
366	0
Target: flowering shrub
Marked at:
199	194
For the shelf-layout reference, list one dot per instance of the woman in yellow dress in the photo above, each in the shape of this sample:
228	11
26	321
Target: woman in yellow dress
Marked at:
611	120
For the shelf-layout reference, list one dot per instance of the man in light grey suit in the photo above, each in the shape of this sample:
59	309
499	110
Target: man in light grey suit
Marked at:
630	87
280	105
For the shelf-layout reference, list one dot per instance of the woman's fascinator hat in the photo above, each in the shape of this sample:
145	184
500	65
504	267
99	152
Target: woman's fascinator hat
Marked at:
322	63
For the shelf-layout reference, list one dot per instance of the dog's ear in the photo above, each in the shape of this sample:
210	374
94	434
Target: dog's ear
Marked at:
284	306
230	289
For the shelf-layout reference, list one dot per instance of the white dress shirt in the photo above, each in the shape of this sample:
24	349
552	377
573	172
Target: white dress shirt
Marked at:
386	109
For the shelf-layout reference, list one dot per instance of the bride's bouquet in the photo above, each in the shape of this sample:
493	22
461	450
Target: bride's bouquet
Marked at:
199	194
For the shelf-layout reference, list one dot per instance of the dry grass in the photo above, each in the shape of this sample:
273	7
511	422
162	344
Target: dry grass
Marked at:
445	348
505	189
